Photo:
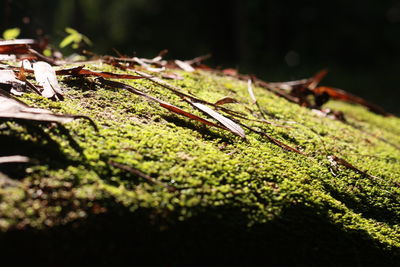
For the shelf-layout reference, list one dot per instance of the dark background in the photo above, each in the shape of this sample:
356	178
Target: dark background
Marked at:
357	40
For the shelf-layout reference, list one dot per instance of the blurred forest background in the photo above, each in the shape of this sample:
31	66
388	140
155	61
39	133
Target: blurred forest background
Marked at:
278	40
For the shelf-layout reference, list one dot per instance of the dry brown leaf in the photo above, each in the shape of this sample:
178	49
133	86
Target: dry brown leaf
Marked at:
18	46
45	75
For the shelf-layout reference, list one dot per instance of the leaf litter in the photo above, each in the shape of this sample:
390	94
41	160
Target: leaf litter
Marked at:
45	76
299	91
12	108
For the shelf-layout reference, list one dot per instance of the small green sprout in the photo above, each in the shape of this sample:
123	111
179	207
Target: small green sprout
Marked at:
75	38
12	33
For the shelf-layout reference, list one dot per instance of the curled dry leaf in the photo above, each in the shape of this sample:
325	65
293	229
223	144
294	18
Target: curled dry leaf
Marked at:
45	75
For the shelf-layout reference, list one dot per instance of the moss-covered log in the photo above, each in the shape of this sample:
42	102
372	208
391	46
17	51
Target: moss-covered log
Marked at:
200	195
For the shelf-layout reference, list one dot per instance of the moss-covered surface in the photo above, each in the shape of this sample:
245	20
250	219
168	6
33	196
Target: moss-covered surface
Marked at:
243	201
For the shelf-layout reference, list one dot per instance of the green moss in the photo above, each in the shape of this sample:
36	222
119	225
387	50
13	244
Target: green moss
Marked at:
210	168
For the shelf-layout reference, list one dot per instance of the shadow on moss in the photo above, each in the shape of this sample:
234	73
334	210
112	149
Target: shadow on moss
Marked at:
359	204
220	237
30	140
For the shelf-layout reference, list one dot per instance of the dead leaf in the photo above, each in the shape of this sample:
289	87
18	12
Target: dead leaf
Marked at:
230	72
287	86
76	71
184	65
226	100
172	76
180	111
197	60
10	83
43	57
162	103
183	95
18	46
46	76
333	114
232	126
11	108
342	95
250	90
14	159
12	58
8	77
274	88
316	79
